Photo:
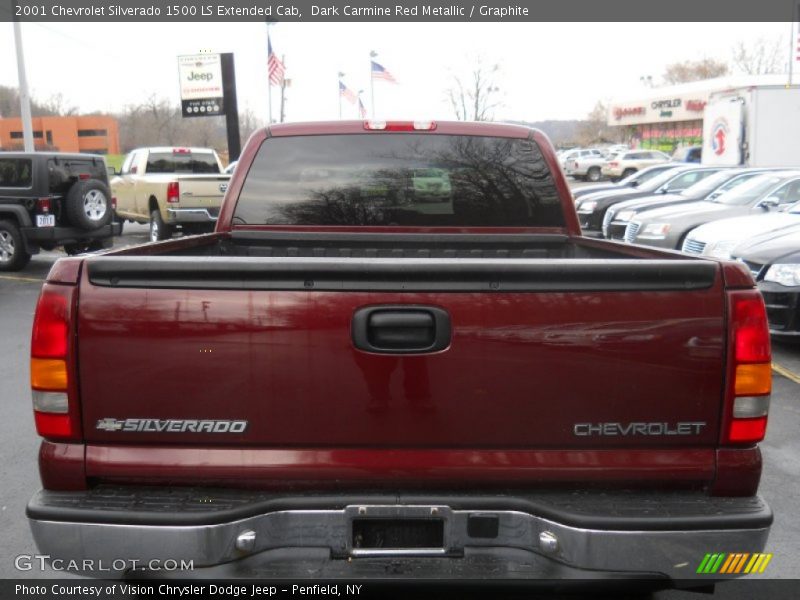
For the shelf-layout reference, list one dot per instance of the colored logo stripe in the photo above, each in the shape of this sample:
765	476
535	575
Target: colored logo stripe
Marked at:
734	563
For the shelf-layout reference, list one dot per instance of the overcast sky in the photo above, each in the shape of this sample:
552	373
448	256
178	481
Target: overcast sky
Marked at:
548	70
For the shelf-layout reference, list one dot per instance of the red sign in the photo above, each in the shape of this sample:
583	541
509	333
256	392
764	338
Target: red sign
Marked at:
695	105
627	112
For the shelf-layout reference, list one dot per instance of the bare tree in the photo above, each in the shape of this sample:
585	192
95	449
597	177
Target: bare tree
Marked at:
761	57
9	105
248	123
476	95
595	128
57	105
689	70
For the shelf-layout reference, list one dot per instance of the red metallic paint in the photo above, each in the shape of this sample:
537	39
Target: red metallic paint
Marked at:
521	370
738	471
65	270
286	362
353	468
62	466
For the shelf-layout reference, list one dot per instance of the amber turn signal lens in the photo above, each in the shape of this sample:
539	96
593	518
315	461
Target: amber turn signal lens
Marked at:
48	374
753	380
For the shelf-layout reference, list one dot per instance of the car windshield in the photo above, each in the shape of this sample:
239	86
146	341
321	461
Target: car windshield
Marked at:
749	190
707	185
643	175
656	182
400	180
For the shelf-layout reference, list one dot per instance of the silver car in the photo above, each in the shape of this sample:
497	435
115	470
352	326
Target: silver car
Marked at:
668	226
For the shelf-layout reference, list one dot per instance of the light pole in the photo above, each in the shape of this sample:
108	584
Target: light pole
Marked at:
24	96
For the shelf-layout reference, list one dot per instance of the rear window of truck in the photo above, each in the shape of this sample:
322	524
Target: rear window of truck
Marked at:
194	163
398	180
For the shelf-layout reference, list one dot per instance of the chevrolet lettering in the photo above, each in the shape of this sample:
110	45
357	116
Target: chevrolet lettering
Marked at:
610	429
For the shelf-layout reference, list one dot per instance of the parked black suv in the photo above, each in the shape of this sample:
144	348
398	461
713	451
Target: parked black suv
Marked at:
49	199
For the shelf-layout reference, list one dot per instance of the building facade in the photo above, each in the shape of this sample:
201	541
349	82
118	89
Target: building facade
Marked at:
96	134
670	117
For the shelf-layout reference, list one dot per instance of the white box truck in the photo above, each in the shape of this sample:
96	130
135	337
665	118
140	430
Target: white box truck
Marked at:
754	126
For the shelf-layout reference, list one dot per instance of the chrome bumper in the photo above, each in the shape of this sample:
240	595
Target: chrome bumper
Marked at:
653	553
190	215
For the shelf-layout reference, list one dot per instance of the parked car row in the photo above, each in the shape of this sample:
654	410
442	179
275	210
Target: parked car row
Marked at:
746	214
51	199
596	164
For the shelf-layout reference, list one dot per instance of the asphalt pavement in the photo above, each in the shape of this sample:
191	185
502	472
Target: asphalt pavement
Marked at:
780	483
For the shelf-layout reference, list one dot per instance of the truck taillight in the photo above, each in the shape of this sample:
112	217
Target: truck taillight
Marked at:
54	404
114	202
751	383
43	205
173	192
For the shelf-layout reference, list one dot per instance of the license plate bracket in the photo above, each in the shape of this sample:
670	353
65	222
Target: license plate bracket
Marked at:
399	530
398	534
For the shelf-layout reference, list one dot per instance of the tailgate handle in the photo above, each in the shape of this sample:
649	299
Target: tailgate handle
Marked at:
401	329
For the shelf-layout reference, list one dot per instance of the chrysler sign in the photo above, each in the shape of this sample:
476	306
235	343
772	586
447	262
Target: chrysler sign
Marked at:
200	78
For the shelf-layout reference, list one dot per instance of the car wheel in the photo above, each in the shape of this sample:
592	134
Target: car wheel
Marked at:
89	204
13	256
627	173
158	229
593	174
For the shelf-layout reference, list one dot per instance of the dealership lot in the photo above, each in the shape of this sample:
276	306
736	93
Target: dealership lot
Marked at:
18	293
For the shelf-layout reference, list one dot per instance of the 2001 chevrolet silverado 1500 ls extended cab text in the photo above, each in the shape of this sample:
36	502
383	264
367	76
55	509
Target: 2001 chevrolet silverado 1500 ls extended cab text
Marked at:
357	373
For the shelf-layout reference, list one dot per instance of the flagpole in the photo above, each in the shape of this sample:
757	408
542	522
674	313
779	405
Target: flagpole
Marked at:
339	93
794	40
372	54
269	81
283	86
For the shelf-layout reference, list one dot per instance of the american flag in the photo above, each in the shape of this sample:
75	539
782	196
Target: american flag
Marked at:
379	72
276	68
346	93
361	110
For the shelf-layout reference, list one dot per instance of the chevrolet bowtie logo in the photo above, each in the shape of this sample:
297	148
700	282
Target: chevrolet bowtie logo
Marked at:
109	425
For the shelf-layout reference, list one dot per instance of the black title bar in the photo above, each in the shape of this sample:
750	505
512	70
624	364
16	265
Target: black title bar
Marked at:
397	11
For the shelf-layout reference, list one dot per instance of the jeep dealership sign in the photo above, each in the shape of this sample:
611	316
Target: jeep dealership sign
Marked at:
200	78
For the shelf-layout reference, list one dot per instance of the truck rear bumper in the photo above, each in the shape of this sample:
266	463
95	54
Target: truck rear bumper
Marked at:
192	215
69	235
653	535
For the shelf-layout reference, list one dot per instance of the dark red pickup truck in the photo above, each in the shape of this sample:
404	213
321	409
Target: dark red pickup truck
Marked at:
398	355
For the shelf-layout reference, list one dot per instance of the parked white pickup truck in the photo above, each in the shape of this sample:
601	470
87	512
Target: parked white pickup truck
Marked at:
170	188
587	166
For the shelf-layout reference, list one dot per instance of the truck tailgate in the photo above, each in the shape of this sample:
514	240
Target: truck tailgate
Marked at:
203	190
552	364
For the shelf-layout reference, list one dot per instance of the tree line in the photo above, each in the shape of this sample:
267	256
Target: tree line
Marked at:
153	122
